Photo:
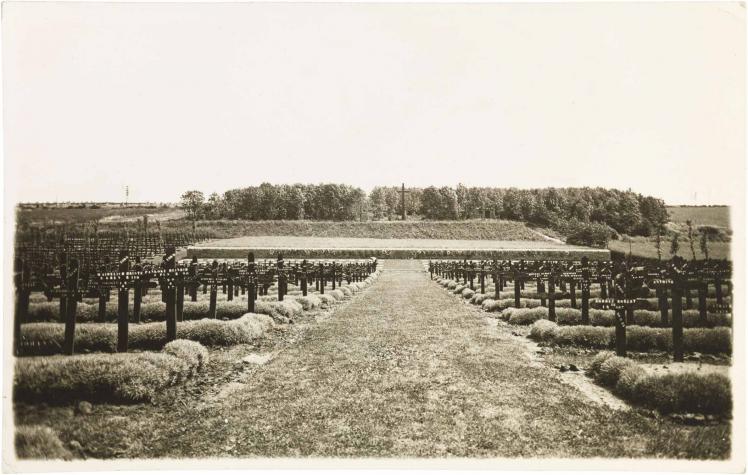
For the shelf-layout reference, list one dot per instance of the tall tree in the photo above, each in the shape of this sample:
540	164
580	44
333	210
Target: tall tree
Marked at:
192	202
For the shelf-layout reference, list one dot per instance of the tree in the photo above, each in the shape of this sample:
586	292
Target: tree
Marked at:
707	233
658	242
690	238
192	202
674	246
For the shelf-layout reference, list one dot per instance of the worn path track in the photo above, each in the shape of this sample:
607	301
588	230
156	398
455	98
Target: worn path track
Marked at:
406	369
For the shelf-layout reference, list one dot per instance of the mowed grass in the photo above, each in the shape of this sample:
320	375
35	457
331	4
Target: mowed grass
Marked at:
405	370
701	215
470	229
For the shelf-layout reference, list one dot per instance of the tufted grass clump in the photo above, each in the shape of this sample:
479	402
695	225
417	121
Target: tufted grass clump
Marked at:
118	377
39	442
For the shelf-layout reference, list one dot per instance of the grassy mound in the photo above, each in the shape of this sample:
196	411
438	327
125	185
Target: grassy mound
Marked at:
690	392
121	377
39	442
48	338
703	340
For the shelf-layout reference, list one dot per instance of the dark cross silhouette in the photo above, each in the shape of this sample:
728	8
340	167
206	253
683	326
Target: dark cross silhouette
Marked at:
402	201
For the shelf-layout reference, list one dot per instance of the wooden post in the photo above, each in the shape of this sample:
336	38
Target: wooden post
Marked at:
103	297
282	276
22	302
585	288
71	288
123	296
677	310
482	278
333	275
662	304
169	263
303	279
252	283
551	297
321	278
620	311
702	305
192	276
541	290
517	289
573	293
212	306
137	297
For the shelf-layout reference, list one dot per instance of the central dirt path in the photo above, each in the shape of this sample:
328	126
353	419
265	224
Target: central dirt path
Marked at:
406	369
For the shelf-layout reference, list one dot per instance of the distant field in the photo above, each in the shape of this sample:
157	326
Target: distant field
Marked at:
700	215
717	250
82	215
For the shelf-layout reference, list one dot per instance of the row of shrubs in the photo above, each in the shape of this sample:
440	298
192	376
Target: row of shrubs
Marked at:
39	339
156	310
689	392
530	291
48	338
119	377
530	310
607	318
703	340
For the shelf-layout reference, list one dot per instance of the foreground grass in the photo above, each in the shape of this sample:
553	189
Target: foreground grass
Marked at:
404	370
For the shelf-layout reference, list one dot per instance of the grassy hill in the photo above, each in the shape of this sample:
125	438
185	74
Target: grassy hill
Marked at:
498	230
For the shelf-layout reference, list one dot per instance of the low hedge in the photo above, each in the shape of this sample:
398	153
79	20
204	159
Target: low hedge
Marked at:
689	392
607	318
39	442
48	338
119	377
703	340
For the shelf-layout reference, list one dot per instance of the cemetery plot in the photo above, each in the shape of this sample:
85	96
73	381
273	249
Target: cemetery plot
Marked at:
619	317
623	294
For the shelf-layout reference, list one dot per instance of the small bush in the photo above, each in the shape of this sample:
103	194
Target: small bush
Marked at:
597	362
337	294
489	305
309	302
478	299
120	377
684	392
585	336
610	370
451	285
327	300
524	316
39	442
467	293
459	289
544	330
346	291
628	381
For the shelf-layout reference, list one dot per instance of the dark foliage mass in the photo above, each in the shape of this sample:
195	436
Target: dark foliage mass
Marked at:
591	215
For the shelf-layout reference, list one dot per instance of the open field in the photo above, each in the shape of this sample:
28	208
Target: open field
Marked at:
646	248
83	215
701	215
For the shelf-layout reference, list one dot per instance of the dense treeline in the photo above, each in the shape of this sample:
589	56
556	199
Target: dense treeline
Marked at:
567	210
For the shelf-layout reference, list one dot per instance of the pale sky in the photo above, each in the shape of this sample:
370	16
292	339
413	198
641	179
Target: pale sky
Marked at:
170	97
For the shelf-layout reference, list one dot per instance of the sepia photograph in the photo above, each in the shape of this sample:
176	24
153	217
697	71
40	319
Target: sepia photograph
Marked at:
374	235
